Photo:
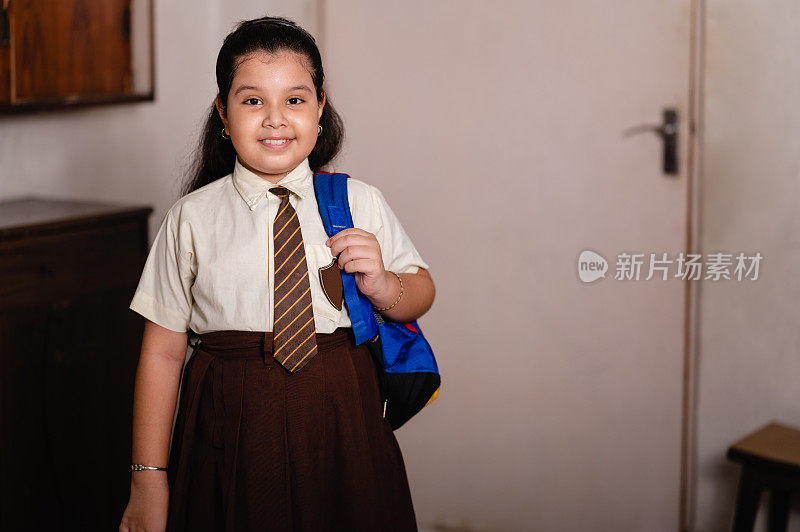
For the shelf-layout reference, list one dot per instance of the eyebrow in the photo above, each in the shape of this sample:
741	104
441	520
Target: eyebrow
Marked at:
303	88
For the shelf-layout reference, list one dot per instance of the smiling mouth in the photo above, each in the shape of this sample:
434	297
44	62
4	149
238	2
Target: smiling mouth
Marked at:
275	142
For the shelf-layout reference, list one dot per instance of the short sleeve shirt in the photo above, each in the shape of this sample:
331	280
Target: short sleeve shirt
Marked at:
211	264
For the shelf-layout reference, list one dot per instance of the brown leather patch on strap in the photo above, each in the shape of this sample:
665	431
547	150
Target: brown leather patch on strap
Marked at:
330	277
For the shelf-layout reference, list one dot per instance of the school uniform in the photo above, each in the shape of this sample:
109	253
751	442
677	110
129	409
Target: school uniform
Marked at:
255	446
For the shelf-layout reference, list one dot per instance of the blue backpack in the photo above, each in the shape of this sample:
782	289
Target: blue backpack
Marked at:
407	372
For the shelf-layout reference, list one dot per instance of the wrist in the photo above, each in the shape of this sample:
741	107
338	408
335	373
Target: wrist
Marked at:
391	295
148	478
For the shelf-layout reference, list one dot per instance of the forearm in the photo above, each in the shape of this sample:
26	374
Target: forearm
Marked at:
155	397
418	295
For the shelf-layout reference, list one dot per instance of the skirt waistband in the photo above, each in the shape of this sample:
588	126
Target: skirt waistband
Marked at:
233	343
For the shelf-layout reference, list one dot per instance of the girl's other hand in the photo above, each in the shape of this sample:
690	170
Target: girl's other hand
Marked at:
360	253
148	503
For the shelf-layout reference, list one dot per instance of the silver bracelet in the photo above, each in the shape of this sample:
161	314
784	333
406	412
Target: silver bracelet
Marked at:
139	467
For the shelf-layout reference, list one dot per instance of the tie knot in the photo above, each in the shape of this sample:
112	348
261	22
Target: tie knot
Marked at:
281	192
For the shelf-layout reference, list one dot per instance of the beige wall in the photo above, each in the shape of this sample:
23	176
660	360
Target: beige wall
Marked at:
749	365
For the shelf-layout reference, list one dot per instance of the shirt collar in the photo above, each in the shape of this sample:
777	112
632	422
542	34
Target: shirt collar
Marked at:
252	187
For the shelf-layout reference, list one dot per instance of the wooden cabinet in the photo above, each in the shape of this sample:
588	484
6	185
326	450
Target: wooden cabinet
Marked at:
74	52
69	347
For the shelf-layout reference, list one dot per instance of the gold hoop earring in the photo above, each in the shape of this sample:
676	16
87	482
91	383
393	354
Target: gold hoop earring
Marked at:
223	134
320	130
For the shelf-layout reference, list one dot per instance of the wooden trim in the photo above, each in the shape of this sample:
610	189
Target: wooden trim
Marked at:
688	477
63	104
152	94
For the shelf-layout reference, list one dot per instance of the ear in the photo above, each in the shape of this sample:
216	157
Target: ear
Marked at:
322	105
221	110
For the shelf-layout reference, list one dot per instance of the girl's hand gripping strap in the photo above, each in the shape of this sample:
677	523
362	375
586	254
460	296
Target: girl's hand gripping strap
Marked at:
334	208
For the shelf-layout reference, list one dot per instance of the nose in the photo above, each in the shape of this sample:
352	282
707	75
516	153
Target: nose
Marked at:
274	116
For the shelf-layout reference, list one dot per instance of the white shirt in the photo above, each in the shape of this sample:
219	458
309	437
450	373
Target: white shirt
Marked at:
211	264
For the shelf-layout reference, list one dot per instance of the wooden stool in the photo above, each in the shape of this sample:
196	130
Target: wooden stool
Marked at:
770	459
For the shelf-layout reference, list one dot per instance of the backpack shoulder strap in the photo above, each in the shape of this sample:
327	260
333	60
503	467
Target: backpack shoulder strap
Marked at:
334	209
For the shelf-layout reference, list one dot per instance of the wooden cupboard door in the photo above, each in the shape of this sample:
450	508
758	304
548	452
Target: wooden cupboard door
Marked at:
69	48
67	377
28	501
91	360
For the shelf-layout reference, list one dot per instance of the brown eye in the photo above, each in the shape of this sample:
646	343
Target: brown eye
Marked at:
294	98
250	99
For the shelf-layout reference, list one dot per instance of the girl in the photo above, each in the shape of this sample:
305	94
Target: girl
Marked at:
276	429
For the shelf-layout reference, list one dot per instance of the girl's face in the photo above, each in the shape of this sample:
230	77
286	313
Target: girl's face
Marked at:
272	113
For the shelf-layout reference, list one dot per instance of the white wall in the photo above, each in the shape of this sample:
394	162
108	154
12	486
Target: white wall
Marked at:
749	357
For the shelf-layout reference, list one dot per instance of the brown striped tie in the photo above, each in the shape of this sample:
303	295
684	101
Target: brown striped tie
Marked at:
293	328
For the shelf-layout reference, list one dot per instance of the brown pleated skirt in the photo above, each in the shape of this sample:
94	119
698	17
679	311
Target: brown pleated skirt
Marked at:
258	448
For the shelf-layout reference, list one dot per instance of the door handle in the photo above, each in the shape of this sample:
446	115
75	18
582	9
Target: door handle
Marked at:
668	131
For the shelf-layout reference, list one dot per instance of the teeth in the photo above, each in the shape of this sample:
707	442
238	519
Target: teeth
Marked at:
275	142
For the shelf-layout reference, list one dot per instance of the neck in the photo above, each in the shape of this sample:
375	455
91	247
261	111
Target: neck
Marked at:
272	178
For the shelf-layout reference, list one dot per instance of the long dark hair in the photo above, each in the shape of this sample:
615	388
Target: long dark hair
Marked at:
215	156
